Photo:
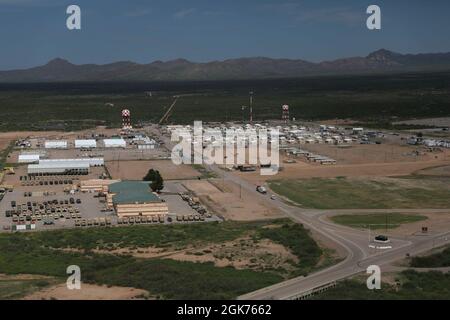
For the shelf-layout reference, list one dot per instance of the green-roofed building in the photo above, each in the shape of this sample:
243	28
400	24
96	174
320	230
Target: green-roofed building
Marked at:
135	198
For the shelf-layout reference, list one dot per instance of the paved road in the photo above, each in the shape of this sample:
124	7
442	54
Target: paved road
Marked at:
354	242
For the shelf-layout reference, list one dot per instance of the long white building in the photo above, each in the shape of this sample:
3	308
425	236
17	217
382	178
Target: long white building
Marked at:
64	166
115	143
57	144
91	143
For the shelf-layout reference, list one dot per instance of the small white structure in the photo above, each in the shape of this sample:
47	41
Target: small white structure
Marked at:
28	158
57	144
85	144
115	143
358	130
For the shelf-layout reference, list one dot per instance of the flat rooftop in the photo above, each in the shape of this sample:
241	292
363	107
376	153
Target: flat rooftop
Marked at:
128	192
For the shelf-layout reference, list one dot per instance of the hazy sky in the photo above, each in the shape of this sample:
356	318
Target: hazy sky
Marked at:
34	31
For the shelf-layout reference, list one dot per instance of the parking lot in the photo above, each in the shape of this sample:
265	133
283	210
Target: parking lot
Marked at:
54	209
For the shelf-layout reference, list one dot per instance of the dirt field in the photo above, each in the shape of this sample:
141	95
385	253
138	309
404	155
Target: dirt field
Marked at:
87	292
136	170
227	199
436	223
301	170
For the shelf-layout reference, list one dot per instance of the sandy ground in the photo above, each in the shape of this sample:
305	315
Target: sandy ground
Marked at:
87	292
301	170
227	199
436	223
136	170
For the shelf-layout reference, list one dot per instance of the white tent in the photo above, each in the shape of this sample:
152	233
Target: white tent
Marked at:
85	143
115	143
58	144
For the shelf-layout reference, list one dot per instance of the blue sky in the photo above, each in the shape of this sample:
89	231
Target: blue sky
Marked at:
34	31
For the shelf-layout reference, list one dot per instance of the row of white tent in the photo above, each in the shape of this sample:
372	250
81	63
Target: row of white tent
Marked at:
437	143
90	143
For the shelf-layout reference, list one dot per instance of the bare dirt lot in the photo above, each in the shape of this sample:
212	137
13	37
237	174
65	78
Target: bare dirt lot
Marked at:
301	170
228	200
87	292
436	223
136	170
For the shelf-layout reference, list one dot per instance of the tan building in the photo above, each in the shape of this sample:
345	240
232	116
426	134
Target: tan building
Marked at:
96	185
134	198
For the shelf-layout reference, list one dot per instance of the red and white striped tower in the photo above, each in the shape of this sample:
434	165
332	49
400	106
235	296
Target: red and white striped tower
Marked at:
126	119
285	113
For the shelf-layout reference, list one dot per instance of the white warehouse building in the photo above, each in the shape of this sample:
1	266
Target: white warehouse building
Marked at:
64	166
58	168
91	143
115	143
92	162
58	144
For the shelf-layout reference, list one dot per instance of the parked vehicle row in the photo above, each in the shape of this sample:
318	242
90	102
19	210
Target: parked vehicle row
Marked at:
93	222
194	203
141	219
192	217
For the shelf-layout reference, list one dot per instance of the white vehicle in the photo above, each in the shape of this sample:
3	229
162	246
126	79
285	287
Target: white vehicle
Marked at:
261	189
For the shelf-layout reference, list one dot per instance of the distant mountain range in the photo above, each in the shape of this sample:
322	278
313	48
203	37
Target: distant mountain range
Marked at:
380	61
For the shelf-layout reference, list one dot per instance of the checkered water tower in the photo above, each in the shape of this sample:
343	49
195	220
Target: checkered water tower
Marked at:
285	113
126	119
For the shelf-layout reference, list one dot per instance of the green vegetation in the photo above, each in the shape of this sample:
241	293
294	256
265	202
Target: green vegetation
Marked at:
41	253
343	193
375	99
436	260
18	288
376	220
4	155
412	285
297	239
157	182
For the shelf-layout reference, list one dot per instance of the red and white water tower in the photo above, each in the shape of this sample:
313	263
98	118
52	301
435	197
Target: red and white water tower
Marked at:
285	113
126	119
